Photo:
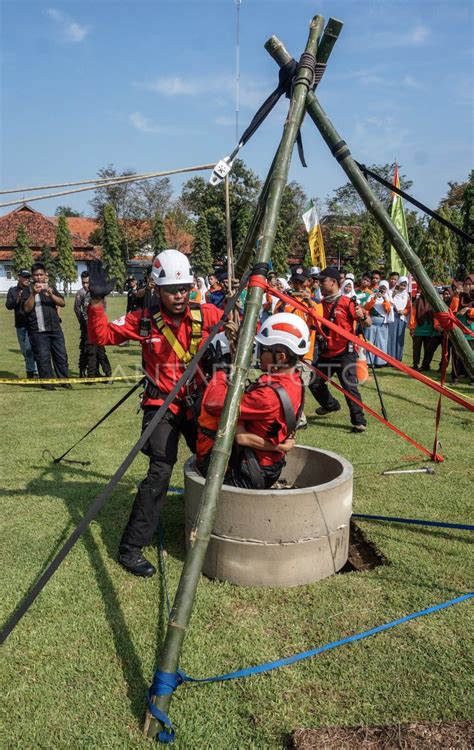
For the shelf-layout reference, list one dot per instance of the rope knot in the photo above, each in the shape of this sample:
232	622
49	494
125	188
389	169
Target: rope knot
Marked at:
308	61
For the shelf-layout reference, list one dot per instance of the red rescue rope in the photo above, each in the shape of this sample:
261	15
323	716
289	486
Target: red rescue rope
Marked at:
258	281
448	320
444	367
433	455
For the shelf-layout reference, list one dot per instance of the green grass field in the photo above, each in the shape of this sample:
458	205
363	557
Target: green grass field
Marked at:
76	669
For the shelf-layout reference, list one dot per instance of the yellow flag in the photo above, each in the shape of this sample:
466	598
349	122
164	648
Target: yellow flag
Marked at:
315	237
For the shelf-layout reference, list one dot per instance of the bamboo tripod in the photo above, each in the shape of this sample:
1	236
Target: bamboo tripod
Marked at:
265	216
183	602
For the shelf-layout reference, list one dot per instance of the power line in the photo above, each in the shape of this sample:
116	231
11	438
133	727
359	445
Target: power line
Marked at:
99	184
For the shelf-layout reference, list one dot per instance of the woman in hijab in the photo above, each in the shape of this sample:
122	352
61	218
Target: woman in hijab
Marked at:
401	311
380	306
348	289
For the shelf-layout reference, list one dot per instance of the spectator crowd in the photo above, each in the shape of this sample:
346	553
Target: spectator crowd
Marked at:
392	309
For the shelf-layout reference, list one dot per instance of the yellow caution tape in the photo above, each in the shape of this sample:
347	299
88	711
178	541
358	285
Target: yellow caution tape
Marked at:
464	395
65	381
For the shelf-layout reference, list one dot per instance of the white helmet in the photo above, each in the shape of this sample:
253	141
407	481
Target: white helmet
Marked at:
171	267
285	329
314	270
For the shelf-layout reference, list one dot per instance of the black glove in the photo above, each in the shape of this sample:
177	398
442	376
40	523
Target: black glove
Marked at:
99	285
214	360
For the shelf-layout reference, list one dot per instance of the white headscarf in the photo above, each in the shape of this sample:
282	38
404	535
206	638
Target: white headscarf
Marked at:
283	283
378	307
400	298
350	284
203	286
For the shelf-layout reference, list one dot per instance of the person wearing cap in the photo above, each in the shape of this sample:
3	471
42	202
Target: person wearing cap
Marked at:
15	296
337	354
269	410
300	289
170	333
133	301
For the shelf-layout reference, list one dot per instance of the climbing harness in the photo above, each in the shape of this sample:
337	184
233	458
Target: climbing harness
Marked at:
196	333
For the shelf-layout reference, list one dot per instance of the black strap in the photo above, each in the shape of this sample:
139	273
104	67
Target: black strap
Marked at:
102	419
291	419
416	203
331	316
93	510
286	81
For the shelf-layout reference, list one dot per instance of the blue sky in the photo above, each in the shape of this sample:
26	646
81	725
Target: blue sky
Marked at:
150	85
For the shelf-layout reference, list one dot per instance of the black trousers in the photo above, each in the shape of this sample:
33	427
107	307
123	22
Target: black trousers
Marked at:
429	344
47	346
238	475
344	366
91	357
162	450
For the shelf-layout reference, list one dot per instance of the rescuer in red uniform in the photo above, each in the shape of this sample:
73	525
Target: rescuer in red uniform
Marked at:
336	353
269	410
170	333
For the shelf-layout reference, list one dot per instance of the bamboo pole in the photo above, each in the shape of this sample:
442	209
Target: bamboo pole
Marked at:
341	152
183	602
325	47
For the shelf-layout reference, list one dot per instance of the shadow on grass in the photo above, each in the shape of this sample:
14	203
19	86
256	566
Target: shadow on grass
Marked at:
451	535
78	496
321	422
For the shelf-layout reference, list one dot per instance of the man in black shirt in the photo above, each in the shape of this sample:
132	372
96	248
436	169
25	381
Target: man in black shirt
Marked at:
133	302
44	327
16	295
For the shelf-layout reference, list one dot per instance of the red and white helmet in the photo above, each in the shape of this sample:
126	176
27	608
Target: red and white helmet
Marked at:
171	267
285	329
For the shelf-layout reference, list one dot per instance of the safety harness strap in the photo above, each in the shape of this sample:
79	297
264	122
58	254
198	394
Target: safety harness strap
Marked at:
196	333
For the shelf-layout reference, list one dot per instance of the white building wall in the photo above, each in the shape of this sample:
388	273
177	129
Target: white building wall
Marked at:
7	278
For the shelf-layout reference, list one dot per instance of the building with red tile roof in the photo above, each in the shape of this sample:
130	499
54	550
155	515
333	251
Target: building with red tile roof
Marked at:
41	231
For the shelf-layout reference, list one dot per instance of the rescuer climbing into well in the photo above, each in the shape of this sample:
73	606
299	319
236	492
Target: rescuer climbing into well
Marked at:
269	410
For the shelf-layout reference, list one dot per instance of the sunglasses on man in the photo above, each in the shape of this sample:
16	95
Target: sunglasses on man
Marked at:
177	289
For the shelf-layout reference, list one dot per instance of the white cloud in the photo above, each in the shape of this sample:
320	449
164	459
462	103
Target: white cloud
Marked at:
252	92
224	120
144	124
367	77
372	136
70	29
414	37
412	83
417	35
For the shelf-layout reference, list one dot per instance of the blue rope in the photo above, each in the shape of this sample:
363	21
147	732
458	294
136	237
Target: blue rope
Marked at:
395	519
165	683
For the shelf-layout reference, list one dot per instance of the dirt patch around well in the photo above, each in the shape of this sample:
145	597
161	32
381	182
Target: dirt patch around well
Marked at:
363	554
446	735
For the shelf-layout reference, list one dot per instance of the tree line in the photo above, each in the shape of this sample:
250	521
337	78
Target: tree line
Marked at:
140	215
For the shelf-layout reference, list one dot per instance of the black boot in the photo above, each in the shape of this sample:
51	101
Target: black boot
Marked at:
131	559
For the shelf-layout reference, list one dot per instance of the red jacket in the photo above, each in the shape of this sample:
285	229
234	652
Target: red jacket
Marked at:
345	317
261	412
162	366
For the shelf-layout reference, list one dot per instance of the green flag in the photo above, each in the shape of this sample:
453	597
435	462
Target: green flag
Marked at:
398	218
